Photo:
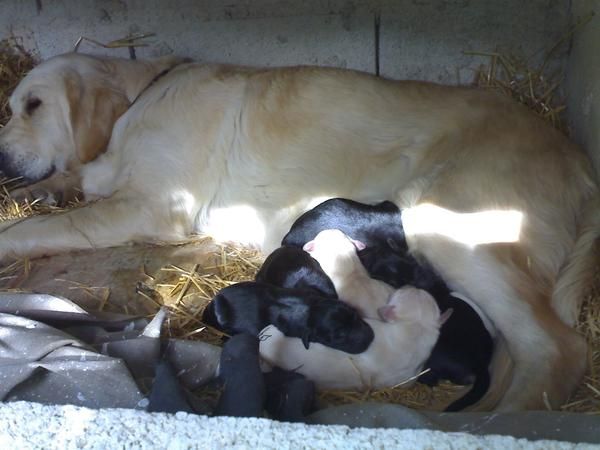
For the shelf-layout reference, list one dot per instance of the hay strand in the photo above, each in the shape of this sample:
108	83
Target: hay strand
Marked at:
15	62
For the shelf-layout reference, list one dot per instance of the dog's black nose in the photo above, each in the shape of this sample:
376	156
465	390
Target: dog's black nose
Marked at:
6	171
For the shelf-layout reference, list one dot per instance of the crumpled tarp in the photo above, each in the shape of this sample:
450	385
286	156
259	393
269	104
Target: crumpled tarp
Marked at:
53	351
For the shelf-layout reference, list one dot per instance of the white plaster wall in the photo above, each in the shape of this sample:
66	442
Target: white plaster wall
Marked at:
421	39
583	81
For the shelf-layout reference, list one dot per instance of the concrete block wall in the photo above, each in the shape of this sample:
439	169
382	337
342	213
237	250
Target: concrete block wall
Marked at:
583	81
426	39
418	39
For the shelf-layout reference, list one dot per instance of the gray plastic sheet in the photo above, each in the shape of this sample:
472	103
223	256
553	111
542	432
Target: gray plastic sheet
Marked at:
52	351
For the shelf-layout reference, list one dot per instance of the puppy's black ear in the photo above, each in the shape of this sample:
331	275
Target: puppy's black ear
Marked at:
222	311
306	339
208	316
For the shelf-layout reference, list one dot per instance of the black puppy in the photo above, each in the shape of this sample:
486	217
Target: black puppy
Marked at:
290	395
244	390
389	261
374	225
292	267
377	226
463	351
250	306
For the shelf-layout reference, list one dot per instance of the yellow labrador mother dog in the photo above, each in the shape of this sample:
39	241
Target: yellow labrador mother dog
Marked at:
166	156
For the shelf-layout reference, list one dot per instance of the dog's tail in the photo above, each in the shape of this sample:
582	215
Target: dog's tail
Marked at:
577	275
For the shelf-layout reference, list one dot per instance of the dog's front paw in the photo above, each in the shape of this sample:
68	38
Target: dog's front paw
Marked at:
37	195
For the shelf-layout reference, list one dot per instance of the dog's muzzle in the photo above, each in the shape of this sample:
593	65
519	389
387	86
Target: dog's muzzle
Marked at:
11	170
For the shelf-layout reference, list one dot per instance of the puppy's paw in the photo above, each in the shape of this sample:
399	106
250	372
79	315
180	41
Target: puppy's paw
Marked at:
36	195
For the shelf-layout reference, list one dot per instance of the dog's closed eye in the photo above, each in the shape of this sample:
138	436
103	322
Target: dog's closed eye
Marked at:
31	105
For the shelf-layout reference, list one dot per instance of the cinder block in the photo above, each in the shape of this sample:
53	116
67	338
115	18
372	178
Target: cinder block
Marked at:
583	81
425	39
270	33
331	40
419	39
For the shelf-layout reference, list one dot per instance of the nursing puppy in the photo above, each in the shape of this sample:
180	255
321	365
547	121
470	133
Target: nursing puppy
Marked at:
249	307
293	268
371	224
401	346
336	253
244	391
463	352
391	263
170	156
464	349
379	227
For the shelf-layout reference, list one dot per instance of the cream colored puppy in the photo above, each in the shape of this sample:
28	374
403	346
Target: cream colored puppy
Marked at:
401	345
241	152
336	254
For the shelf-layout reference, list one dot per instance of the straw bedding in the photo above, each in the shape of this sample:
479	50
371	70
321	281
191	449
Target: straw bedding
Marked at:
187	290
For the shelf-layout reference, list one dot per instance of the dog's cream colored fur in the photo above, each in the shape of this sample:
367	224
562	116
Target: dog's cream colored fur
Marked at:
269	141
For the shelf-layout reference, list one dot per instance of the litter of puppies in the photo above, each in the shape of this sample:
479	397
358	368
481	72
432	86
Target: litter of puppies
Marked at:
405	321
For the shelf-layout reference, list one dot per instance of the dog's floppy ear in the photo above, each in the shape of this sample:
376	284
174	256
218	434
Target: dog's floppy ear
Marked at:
93	110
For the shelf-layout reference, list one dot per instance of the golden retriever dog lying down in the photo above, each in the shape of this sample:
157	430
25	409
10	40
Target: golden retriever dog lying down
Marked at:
166	148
